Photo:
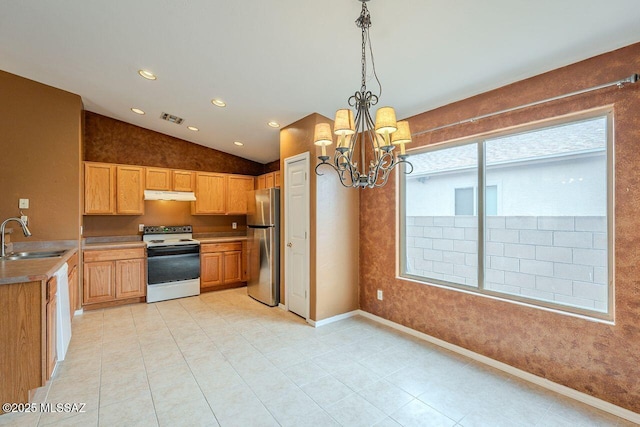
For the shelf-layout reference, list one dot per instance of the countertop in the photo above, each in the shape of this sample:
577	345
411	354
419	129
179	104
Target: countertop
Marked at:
33	270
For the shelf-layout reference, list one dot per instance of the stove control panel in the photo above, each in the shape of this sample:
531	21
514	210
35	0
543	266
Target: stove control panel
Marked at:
162	229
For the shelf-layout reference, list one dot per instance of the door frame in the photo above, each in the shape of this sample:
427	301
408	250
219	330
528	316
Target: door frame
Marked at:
307	220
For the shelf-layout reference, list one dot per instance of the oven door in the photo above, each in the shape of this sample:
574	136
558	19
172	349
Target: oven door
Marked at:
167	264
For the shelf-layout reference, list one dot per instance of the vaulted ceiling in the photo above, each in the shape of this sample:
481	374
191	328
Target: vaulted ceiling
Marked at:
279	60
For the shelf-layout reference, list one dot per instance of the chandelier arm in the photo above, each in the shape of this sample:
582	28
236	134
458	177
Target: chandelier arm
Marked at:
340	173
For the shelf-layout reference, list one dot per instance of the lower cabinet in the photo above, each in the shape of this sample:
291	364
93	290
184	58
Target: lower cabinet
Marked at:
221	265
114	275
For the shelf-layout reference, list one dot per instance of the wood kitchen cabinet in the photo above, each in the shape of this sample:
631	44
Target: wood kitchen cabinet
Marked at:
99	189
183	180
268	180
130	190
169	179
113	189
112	276
238	187
221	266
27	352
210	194
157	179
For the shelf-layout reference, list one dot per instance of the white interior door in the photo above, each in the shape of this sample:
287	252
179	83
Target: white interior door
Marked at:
296	219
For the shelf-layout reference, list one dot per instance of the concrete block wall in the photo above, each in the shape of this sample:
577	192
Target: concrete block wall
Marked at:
551	258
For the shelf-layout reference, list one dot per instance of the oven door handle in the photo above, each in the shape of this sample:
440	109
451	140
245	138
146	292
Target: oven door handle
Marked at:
157	251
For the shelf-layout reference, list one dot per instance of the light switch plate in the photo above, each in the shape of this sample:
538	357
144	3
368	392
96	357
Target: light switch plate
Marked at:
141	227
23	204
234	225
380	294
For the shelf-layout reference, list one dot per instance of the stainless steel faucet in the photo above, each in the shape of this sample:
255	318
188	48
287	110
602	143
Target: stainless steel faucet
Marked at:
25	230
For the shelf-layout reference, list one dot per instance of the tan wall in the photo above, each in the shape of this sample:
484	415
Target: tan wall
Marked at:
40	157
337	221
595	358
333	267
160	212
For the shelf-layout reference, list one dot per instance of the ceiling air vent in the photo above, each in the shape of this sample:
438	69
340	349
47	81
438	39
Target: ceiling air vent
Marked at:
171	118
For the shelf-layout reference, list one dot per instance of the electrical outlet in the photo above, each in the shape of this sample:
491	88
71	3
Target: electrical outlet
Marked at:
23	204
25	219
141	227
380	294
234	225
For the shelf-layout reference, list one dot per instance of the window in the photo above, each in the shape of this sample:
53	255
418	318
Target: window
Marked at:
466	197
547	240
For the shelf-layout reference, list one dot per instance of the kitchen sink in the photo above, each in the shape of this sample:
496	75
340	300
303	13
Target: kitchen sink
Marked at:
33	255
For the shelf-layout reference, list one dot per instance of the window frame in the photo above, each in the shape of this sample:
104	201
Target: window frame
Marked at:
606	112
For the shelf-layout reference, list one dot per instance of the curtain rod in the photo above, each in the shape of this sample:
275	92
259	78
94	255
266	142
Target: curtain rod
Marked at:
631	79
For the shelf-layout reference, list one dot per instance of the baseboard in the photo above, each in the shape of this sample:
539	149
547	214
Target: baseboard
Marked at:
78	312
283	307
542	382
318	323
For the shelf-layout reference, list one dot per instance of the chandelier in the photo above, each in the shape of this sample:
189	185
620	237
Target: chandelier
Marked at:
356	134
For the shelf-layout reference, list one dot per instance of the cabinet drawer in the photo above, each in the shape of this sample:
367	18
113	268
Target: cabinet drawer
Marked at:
221	247
112	255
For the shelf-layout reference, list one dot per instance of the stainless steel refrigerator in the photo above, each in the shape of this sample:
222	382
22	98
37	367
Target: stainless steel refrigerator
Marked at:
263	243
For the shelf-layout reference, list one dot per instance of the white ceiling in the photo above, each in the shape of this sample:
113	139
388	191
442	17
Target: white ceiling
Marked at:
284	59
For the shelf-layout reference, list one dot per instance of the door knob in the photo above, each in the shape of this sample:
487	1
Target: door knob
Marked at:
289	244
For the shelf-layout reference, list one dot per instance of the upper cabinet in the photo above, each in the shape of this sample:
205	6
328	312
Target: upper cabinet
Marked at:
237	188
268	180
183	180
99	189
130	190
210	194
169	180
158	179
112	189
119	189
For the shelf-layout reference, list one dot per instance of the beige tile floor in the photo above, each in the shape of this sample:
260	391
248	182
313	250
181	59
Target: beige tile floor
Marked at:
223	359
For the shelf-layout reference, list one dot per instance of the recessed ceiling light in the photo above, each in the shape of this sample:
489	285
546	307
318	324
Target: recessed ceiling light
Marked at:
238	143
137	111
147	74
274	124
193	128
218	102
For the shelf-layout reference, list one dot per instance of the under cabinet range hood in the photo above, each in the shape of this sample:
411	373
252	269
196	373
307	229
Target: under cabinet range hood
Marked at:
180	196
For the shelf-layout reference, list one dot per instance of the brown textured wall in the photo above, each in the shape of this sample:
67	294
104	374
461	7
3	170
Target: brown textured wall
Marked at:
40	158
161	212
595	358
272	167
113	141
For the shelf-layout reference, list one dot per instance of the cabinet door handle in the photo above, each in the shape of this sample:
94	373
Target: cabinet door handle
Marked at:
289	244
